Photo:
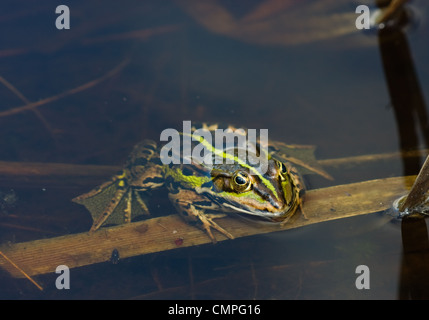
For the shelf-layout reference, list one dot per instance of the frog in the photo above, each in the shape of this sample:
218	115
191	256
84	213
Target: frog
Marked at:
203	193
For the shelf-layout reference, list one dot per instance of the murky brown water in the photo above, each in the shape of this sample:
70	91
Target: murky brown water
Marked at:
157	63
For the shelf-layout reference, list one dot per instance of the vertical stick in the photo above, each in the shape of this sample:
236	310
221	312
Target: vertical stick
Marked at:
417	194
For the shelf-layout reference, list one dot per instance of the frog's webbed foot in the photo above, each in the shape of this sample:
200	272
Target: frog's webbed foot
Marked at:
114	202
107	212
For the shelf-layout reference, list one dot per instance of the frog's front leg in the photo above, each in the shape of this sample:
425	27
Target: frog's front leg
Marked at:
299	189
192	207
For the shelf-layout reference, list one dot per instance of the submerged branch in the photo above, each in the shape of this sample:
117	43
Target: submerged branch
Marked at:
34	105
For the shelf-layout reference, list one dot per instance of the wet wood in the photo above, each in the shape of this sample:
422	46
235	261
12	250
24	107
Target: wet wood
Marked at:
171	232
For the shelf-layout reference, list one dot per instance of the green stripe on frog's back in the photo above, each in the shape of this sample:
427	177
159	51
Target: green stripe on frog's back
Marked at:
224	155
176	174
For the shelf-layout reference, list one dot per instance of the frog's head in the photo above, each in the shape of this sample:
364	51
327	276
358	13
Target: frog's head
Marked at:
273	195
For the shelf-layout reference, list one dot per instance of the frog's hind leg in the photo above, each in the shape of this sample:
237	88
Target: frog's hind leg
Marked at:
103	201
100	189
123	206
140	202
108	211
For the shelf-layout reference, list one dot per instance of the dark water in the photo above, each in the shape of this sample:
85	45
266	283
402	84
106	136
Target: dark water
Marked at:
331	92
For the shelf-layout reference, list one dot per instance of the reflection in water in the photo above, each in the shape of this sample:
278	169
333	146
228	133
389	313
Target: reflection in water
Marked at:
414	278
405	94
409	106
279	22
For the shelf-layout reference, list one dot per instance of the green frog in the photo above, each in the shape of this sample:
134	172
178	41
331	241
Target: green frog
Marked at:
202	193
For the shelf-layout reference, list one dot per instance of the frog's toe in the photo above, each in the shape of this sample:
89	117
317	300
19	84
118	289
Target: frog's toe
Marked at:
208	223
285	221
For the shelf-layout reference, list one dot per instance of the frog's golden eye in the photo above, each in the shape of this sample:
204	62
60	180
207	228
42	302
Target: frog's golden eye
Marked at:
283	170
241	181
282	167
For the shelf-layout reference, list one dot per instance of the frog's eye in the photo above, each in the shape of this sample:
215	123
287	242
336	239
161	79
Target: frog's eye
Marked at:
241	181
283	170
282	167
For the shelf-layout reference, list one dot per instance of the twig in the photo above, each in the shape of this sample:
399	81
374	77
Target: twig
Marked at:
135	34
22	271
33	105
353	160
14	90
12	52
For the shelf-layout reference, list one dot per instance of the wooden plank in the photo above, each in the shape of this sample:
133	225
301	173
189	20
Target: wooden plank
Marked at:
170	232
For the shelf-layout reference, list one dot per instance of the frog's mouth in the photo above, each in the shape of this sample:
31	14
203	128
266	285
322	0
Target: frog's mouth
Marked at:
273	216
269	210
